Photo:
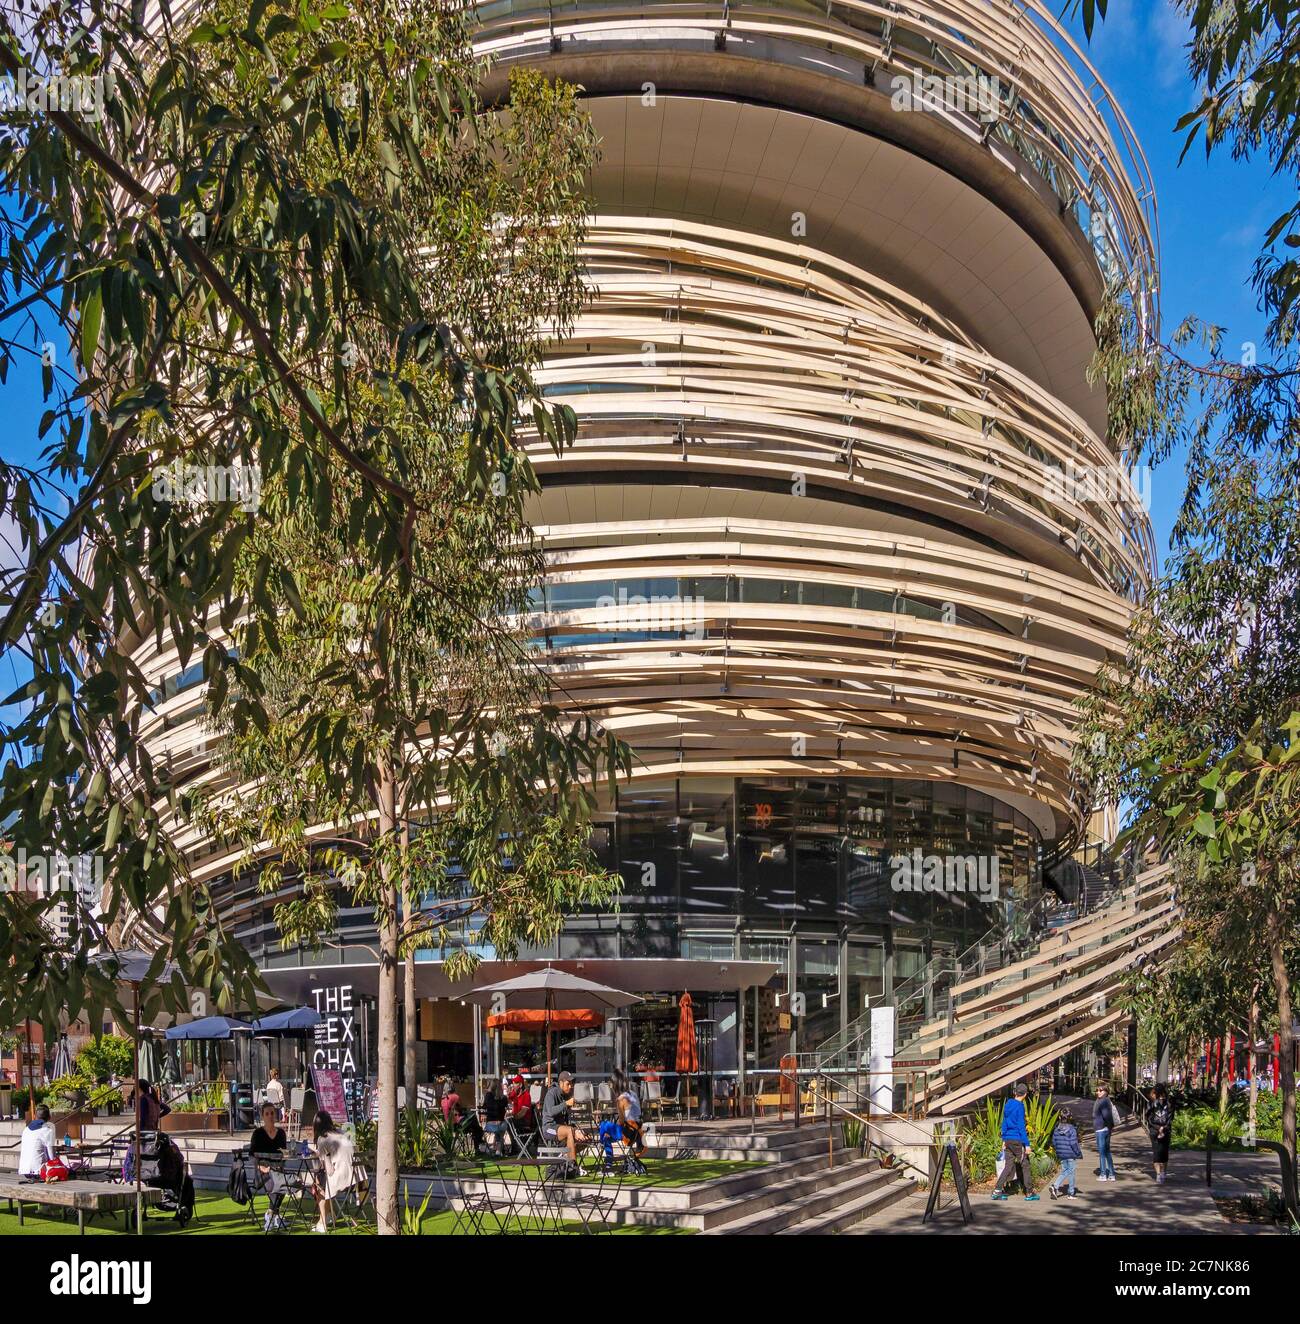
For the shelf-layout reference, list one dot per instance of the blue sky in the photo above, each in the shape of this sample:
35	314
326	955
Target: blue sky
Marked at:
1213	214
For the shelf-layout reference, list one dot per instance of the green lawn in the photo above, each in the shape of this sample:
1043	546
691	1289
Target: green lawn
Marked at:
217	1214
662	1172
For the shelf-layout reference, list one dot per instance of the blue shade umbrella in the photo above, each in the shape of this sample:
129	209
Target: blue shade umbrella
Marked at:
210	1027
298	1020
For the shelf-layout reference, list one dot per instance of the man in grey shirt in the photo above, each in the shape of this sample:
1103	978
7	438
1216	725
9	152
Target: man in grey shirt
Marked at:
556	1126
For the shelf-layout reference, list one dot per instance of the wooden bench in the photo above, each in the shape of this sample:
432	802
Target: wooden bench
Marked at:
86	1197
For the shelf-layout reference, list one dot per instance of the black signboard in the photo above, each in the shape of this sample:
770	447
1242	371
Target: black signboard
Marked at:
948	1158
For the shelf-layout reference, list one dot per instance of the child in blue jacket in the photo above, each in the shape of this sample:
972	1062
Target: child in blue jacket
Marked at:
1065	1140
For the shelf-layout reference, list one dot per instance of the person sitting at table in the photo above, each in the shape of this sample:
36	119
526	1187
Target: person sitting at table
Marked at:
269	1141
519	1098
629	1118
449	1100
337	1154
556	1126
469	1124
37	1145
494	1118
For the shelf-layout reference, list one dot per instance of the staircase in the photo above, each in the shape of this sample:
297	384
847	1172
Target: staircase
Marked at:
1024	996
797	1190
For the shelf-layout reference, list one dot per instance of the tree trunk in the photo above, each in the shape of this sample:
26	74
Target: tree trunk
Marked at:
1276	929
410	1028
1250	1059
1225	1071
386	1141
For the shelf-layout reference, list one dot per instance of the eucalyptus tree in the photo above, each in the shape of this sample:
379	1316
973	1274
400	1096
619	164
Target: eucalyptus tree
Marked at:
388	736
215	242
1212	652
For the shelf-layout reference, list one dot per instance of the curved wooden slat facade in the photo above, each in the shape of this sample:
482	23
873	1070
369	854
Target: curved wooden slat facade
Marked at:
813	524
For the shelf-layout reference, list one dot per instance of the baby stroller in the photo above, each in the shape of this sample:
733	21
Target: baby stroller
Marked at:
162	1165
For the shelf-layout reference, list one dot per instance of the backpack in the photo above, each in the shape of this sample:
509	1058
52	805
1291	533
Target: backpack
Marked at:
54	1170
237	1185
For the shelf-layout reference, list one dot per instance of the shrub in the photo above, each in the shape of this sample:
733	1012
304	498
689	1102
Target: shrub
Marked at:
104	1056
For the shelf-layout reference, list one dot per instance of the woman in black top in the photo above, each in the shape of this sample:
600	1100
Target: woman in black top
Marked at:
1160	1125
269	1139
494	1116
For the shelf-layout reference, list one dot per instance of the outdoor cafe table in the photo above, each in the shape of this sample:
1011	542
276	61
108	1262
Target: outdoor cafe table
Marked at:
86	1197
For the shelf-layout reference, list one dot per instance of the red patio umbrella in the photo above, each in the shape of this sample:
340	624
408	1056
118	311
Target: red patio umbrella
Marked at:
688	1053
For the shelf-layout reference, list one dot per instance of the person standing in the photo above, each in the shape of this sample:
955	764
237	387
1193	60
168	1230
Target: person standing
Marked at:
1015	1135
274	1091
1065	1141
1103	1125
1160	1126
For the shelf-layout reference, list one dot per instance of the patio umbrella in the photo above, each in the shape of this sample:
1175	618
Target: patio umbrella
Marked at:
209	1027
147	1064
298	1020
550	990
62	1058
688	1054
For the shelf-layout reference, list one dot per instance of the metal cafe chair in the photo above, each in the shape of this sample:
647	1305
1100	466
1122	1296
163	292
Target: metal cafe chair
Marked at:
523	1141
473	1209
297	1099
595	1200
353	1206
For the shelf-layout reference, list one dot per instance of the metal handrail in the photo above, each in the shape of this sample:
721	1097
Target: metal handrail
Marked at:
869	1125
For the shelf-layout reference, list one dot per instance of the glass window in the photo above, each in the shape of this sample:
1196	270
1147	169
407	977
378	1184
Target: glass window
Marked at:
817	849
866	976
647	834
866	838
765	843
708	848
818	979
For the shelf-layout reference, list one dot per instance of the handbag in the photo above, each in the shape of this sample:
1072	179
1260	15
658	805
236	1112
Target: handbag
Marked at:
54	1169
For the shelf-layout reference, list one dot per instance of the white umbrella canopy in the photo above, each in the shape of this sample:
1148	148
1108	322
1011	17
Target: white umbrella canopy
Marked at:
554	990
550	990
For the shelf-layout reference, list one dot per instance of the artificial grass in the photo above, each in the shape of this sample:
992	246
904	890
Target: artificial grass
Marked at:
662	1172
217	1215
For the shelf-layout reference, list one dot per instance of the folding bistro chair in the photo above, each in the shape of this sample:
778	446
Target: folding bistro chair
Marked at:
477	1208
551	1189
654	1095
297	1099
353	1206
523	1141
595	1200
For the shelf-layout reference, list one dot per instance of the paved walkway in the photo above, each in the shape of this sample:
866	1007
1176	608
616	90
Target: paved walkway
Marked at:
1131	1205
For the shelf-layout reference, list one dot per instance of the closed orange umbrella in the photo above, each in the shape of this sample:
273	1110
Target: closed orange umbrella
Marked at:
688	1053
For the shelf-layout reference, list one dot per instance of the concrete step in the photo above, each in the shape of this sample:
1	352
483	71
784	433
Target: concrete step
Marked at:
789	1202
851	1213
729	1212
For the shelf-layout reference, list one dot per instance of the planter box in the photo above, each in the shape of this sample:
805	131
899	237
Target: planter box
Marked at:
181	1123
